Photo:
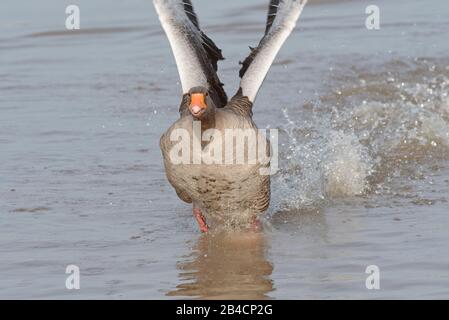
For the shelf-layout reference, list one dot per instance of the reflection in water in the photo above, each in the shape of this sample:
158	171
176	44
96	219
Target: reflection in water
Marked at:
226	265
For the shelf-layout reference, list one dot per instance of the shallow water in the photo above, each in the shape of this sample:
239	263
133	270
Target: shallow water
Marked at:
363	180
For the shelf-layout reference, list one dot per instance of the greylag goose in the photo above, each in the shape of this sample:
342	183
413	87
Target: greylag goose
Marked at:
224	190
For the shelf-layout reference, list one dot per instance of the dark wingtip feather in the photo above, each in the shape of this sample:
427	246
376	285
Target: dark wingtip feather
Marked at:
188	8
272	11
214	54
246	63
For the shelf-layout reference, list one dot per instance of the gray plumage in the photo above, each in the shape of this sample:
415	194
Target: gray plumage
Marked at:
226	193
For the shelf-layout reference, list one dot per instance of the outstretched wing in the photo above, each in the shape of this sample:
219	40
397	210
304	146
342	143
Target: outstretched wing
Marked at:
282	17
196	54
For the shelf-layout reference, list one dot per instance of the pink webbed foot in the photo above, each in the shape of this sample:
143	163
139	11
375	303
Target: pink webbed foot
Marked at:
200	219
256	225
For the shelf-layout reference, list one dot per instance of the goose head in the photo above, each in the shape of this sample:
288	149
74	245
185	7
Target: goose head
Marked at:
200	103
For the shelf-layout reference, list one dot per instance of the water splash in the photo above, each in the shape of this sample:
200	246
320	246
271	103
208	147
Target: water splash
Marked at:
392	124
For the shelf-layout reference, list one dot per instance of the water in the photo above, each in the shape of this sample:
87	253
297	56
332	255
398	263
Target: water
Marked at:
363	180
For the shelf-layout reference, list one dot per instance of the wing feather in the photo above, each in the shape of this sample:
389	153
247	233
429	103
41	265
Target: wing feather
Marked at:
196	55
281	20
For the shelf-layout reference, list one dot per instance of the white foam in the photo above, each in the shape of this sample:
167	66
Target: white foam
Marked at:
336	151
346	167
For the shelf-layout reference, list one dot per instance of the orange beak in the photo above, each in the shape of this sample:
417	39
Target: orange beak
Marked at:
197	104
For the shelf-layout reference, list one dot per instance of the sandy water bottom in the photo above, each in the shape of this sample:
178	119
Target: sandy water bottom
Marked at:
363	180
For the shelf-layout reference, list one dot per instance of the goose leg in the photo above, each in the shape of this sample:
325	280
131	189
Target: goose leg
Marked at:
200	219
